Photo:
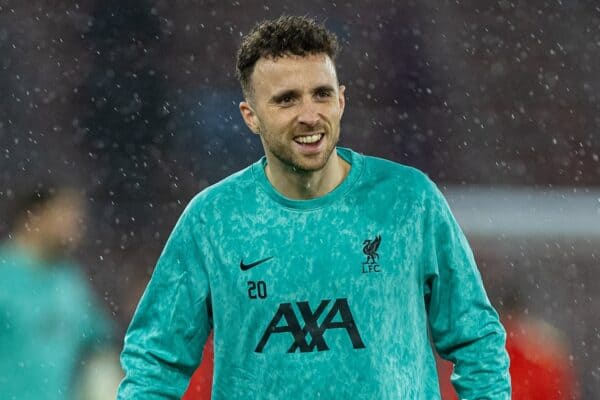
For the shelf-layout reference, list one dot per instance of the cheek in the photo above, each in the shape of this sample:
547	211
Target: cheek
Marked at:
276	125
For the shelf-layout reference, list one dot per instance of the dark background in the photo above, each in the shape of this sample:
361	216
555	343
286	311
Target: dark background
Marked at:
135	103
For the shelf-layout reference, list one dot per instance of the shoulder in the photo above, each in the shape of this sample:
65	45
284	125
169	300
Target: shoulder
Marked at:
73	280
223	196
393	177
8	255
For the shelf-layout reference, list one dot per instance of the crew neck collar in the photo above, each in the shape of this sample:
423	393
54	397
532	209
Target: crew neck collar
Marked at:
356	164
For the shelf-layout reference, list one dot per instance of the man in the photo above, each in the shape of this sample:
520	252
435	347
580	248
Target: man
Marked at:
321	271
51	327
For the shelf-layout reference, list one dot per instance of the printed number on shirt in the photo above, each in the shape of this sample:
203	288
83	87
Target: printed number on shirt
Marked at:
257	290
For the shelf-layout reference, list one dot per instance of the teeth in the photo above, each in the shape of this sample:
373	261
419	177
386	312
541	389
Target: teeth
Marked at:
309	139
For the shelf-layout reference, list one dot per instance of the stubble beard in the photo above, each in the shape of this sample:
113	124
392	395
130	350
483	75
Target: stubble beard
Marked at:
293	162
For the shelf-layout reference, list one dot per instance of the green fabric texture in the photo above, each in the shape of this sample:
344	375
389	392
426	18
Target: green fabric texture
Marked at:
338	297
48	320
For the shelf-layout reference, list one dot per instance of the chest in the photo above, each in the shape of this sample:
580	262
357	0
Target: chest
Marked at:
288	256
38	303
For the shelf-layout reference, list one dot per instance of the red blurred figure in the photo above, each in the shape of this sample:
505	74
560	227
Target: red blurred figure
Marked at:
540	365
201	382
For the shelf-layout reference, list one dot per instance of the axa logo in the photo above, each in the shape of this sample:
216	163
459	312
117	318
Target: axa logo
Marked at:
311	336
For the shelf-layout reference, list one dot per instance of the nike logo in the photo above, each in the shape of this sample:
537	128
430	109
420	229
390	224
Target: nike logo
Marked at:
246	267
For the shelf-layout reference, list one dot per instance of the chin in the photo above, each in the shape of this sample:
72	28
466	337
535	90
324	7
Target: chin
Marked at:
310	165
298	162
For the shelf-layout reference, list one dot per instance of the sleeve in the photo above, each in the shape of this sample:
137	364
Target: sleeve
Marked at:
95	328
465	328
164	342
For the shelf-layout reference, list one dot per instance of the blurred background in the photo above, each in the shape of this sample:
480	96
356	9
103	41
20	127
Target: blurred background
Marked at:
134	104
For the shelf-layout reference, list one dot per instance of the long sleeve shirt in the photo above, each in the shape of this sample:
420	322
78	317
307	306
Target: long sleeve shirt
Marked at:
340	296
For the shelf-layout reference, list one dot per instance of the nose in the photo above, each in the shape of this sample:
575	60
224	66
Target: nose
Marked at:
309	114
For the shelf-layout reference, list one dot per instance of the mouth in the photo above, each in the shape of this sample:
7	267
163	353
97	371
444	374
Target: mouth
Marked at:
309	140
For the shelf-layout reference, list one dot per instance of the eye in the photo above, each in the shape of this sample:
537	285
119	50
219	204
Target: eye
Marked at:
323	93
286	99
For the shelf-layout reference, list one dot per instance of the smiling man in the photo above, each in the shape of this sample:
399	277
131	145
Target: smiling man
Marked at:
322	272
295	104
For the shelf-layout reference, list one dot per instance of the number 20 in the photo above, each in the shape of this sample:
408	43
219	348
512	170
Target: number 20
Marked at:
257	290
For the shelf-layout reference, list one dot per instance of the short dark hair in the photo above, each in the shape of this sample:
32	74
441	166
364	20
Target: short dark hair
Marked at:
286	35
36	199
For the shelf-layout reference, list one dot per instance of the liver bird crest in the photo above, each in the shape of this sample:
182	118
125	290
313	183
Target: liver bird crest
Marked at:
370	249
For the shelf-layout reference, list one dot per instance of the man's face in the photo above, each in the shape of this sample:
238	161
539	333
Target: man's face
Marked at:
296	109
59	223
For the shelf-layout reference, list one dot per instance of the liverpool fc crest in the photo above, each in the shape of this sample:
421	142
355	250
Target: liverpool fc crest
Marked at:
370	249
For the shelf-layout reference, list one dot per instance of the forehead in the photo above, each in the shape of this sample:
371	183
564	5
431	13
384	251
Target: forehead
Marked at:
66	201
293	72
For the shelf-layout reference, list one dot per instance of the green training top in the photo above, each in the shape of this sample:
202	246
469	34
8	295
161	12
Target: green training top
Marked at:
49	321
330	298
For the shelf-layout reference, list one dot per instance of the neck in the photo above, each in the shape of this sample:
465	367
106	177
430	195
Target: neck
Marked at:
304	185
35	246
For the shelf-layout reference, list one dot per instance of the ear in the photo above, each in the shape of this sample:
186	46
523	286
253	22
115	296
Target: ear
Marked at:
249	116
342	99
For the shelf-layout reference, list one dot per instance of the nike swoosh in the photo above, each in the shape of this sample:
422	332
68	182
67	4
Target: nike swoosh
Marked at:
246	267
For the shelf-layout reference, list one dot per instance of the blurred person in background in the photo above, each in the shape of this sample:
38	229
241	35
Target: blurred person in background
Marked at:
201	381
541	366
318	269
55	339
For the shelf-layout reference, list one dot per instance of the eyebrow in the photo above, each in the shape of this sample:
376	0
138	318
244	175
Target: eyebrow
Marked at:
328	88
276	98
